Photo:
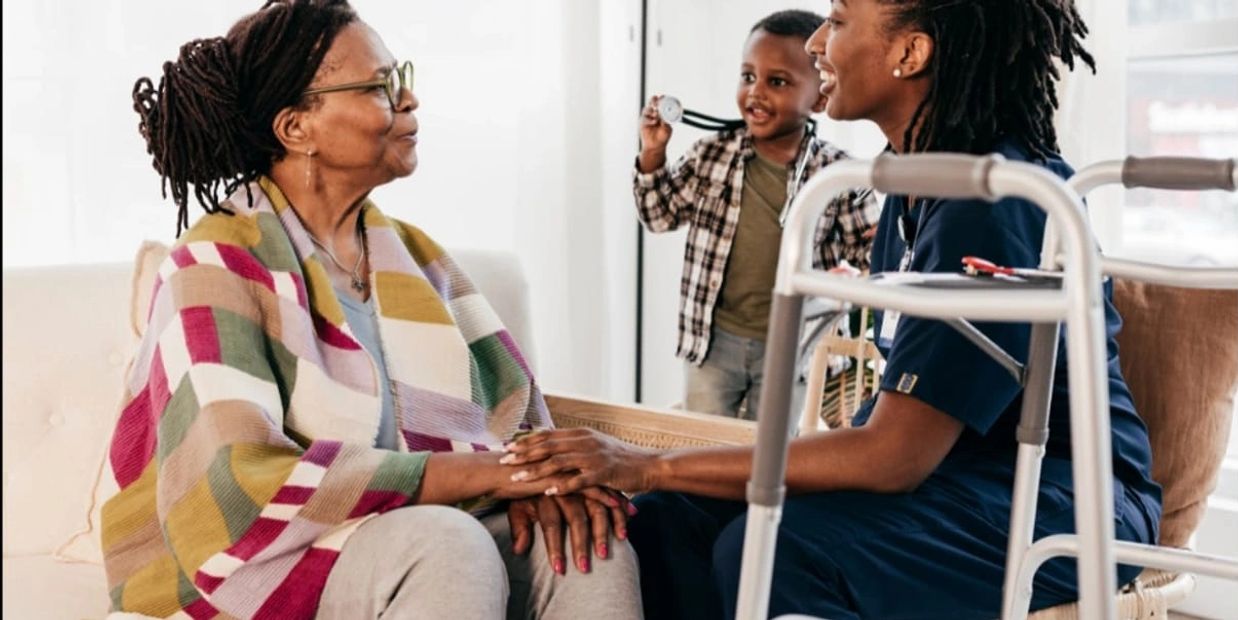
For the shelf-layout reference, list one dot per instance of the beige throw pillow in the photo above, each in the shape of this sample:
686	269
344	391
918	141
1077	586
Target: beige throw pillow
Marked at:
1179	353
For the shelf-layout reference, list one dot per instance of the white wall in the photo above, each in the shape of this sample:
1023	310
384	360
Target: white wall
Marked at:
512	152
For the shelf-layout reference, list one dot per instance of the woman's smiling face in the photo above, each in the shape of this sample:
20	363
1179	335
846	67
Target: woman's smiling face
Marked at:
854	53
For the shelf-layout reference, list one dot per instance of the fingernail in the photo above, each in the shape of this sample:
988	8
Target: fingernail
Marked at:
520	476
632	510
559	567
612	502
508	459
622	533
551	490
603	551
583	564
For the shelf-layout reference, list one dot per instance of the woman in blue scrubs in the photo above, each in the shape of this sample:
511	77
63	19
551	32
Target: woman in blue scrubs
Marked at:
905	516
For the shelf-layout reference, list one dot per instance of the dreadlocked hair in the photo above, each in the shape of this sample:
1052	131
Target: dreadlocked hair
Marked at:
209	121
993	73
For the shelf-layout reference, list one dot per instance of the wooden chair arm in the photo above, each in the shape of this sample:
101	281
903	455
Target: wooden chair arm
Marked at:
649	427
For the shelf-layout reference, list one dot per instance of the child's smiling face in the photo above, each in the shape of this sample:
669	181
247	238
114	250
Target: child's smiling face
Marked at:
778	86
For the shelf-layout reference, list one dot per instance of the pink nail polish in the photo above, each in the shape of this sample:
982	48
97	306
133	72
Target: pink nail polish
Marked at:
612	502
603	551
583	564
559	567
632	510
622	533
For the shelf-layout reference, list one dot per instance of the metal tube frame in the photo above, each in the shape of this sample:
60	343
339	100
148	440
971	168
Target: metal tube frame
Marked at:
1023	559
1078	304
1119	171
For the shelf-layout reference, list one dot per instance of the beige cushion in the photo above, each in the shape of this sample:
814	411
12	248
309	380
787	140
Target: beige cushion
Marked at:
145	268
69	332
1179	352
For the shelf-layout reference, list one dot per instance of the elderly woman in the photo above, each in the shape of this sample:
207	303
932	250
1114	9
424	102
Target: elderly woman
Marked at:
905	516
321	392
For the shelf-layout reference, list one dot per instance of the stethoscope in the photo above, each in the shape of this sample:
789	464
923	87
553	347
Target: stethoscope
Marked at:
672	111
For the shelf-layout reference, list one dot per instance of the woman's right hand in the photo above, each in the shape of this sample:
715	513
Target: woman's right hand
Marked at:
655	133
570	460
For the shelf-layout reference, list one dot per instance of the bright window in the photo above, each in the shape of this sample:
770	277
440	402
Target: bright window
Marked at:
1182	106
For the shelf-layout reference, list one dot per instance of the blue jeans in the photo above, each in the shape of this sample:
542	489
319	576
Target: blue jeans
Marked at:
730	373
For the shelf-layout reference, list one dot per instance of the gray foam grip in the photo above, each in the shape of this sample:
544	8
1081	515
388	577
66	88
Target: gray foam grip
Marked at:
1184	173
937	175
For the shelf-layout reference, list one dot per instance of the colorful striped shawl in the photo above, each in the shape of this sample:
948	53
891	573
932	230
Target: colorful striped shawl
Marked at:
244	449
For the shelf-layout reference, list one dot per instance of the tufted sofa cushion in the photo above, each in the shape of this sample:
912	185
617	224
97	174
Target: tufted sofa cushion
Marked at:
66	346
1179	351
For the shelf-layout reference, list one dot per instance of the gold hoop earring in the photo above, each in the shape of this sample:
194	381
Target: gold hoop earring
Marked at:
898	73
309	166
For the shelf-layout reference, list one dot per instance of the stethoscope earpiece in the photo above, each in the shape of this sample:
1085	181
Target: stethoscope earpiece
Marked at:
672	111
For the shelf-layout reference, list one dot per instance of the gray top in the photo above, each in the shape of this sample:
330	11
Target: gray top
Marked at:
363	320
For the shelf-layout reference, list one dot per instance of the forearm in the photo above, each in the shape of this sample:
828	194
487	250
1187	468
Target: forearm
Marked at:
454	477
838	460
651	160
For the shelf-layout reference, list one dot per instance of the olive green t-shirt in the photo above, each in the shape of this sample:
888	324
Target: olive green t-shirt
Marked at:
747	283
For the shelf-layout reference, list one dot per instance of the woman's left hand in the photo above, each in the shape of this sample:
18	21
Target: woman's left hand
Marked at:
589	524
587	457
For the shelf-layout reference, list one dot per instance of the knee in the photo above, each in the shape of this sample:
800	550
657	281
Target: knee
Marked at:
455	540
620	562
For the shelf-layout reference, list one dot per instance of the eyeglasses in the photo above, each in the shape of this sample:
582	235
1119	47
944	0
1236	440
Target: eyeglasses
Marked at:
397	78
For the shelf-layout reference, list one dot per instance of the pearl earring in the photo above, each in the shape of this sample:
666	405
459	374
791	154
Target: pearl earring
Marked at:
309	166
898	73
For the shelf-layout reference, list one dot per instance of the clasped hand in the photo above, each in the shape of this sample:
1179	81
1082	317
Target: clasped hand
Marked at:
571	503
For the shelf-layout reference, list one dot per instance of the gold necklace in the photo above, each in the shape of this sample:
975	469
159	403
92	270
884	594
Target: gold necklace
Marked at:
358	283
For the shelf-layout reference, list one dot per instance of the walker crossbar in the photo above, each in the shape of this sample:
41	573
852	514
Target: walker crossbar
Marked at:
1174	173
1079	304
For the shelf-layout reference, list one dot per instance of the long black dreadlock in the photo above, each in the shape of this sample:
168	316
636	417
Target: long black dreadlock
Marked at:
209	122
993	70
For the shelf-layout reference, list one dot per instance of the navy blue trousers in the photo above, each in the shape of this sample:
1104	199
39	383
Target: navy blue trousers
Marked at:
938	552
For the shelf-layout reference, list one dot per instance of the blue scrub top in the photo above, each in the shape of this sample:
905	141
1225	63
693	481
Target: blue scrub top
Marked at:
931	361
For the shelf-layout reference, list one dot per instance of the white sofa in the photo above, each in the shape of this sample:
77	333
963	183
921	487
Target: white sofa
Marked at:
68	335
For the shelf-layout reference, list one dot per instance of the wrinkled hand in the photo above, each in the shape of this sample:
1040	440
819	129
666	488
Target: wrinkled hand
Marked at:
579	458
589	522
654	132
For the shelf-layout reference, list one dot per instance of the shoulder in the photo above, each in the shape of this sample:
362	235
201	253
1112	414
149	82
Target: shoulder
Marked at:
1017	150
826	152
246	243
716	143
423	248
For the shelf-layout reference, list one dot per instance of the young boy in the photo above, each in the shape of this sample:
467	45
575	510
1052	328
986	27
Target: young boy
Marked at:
730	190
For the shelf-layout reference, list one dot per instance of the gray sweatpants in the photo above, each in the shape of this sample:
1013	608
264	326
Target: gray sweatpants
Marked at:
440	562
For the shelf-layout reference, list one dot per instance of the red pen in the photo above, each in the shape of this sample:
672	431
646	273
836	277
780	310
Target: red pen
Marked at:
976	266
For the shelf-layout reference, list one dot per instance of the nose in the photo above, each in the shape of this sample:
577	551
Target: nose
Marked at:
815	45
409	103
756	89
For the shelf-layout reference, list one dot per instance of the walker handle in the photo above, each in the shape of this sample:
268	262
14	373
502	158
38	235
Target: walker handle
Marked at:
1184	173
939	175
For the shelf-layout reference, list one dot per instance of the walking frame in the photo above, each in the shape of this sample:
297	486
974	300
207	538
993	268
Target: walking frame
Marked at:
1077	301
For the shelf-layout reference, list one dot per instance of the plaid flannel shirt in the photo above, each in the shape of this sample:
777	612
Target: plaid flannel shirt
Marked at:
703	190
